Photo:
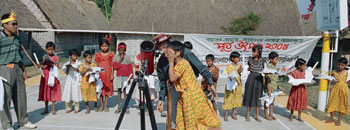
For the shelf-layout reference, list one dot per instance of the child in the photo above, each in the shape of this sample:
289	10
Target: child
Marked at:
122	63
49	92
71	92
297	100
271	84
254	84
233	98
193	109
104	59
88	90
338	99
215	73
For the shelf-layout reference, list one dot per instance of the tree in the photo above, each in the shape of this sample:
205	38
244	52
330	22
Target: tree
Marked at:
105	6
243	25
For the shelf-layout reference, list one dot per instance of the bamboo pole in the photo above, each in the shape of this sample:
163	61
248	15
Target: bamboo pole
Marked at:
169	108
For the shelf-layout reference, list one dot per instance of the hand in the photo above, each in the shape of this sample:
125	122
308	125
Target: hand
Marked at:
121	57
160	107
89	69
38	65
24	76
168	84
76	69
170	54
111	78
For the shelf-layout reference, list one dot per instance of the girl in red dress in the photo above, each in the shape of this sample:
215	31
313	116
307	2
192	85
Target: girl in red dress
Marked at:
104	59
297	100
49	92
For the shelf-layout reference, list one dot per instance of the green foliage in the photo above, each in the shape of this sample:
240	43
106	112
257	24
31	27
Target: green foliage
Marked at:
243	25
103	6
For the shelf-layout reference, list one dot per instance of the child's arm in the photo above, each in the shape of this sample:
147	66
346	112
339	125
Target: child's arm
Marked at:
240	70
172	76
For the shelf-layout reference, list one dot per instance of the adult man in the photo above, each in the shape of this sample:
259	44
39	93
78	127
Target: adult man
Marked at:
162	70
12	69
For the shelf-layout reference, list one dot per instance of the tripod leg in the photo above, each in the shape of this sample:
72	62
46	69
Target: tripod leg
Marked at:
150	107
127	100
142	106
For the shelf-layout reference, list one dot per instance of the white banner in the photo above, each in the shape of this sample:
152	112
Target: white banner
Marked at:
289	48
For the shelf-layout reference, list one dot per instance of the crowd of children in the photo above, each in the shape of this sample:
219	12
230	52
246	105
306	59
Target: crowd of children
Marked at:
83	81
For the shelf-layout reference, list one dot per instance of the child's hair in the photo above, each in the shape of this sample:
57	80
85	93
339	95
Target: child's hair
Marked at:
234	55
176	46
273	55
87	53
300	62
210	56
257	48
121	43
72	52
188	45
104	41
50	44
343	60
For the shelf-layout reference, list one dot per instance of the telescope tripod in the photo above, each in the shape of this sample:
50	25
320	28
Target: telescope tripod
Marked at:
144	93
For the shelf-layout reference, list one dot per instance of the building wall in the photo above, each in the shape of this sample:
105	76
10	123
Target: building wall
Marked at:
66	41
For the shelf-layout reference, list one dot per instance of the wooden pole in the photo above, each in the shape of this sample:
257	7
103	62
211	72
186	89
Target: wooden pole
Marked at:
169	108
25	51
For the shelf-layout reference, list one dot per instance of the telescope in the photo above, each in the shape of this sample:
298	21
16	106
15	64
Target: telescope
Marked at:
147	56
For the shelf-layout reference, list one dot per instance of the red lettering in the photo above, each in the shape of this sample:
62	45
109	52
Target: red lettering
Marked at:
285	46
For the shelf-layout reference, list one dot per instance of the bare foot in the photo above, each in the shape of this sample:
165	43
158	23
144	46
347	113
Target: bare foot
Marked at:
225	118
45	112
234	116
68	111
247	119
96	110
54	113
268	118
291	118
301	120
76	112
329	121
87	111
273	117
257	119
337	123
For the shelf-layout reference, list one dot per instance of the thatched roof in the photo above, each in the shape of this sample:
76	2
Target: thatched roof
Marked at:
73	14
24	17
279	17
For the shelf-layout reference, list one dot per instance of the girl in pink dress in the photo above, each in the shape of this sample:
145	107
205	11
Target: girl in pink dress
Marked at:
49	92
104	59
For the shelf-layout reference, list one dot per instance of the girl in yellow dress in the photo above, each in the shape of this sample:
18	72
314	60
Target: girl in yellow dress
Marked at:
88	90
194	111
338	99
233	98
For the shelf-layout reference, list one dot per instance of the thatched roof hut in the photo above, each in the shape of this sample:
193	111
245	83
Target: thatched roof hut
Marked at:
73	14
279	17
25	18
